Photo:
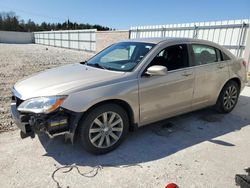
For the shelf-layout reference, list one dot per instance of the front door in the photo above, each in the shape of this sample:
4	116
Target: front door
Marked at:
164	96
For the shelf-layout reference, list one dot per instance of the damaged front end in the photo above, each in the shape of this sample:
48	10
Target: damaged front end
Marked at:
60	121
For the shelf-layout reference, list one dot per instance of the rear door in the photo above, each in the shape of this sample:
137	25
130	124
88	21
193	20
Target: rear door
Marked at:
211	73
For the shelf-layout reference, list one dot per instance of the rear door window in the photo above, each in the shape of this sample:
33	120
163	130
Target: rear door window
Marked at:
203	54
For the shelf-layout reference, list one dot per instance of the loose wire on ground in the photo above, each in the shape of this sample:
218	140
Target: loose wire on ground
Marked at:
92	173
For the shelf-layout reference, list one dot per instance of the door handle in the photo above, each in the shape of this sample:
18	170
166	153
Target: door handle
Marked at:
220	66
187	74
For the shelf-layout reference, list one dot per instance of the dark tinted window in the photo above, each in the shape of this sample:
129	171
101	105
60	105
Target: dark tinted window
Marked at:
173	57
203	54
225	57
219	56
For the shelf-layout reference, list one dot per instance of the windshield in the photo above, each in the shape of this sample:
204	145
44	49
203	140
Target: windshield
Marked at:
122	56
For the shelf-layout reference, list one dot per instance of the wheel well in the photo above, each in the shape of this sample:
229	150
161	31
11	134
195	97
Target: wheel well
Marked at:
122	104
237	80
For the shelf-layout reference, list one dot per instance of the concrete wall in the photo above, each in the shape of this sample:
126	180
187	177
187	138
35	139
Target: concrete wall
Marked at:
106	38
16	37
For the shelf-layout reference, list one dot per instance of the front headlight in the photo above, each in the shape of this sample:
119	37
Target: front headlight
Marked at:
41	104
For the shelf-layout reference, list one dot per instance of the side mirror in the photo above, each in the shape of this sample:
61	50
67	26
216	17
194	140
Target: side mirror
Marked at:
157	70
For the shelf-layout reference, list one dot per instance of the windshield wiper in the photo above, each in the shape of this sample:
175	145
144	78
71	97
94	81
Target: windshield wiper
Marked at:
98	65
83	62
93	65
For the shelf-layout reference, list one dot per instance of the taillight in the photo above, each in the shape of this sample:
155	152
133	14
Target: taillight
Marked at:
244	63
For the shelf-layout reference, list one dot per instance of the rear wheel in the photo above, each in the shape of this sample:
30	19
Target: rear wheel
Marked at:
228	97
104	128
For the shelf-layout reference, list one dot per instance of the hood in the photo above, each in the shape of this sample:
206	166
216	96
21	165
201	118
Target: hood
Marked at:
63	80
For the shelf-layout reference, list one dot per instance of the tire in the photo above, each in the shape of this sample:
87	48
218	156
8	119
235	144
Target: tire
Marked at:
98	137
228	97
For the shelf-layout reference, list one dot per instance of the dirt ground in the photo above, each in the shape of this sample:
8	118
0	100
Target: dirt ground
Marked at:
20	60
199	149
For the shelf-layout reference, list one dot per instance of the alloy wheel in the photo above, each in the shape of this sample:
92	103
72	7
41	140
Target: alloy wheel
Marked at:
106	129
230	97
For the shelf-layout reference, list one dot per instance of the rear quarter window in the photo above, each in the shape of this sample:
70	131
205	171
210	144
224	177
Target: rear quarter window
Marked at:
225	57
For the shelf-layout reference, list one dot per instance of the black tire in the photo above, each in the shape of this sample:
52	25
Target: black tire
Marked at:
221	106
87	123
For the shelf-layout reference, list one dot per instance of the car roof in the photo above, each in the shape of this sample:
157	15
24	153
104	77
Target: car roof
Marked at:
167	39
180	40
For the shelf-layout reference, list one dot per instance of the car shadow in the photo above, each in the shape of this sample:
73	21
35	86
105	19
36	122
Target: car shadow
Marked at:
157	140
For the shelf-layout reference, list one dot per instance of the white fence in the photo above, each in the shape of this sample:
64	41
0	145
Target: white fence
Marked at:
16	37
73	39
233	34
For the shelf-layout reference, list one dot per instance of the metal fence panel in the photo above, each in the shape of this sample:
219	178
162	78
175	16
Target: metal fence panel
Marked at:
16	37
232	34
74	39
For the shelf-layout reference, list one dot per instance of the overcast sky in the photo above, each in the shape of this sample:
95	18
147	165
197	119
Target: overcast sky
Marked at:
126	13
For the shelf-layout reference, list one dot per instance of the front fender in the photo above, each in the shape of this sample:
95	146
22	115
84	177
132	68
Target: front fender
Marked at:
127	91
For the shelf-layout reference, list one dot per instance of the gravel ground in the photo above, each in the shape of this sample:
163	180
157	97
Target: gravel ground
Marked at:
199	149
202	149
20	60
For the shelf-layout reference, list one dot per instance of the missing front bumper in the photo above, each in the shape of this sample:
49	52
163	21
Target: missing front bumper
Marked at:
61	122
17	119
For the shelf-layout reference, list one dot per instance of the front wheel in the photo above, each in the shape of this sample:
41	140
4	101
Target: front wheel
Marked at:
104	128
228	97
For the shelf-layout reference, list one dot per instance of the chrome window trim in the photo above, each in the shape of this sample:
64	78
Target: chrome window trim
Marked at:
182	69
214	63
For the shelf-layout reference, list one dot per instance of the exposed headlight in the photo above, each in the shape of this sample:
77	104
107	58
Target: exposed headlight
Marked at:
41	104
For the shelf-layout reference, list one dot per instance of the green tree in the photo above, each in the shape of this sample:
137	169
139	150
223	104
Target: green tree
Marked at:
10	22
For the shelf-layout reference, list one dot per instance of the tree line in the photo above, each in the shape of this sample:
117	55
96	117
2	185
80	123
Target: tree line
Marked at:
9	21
